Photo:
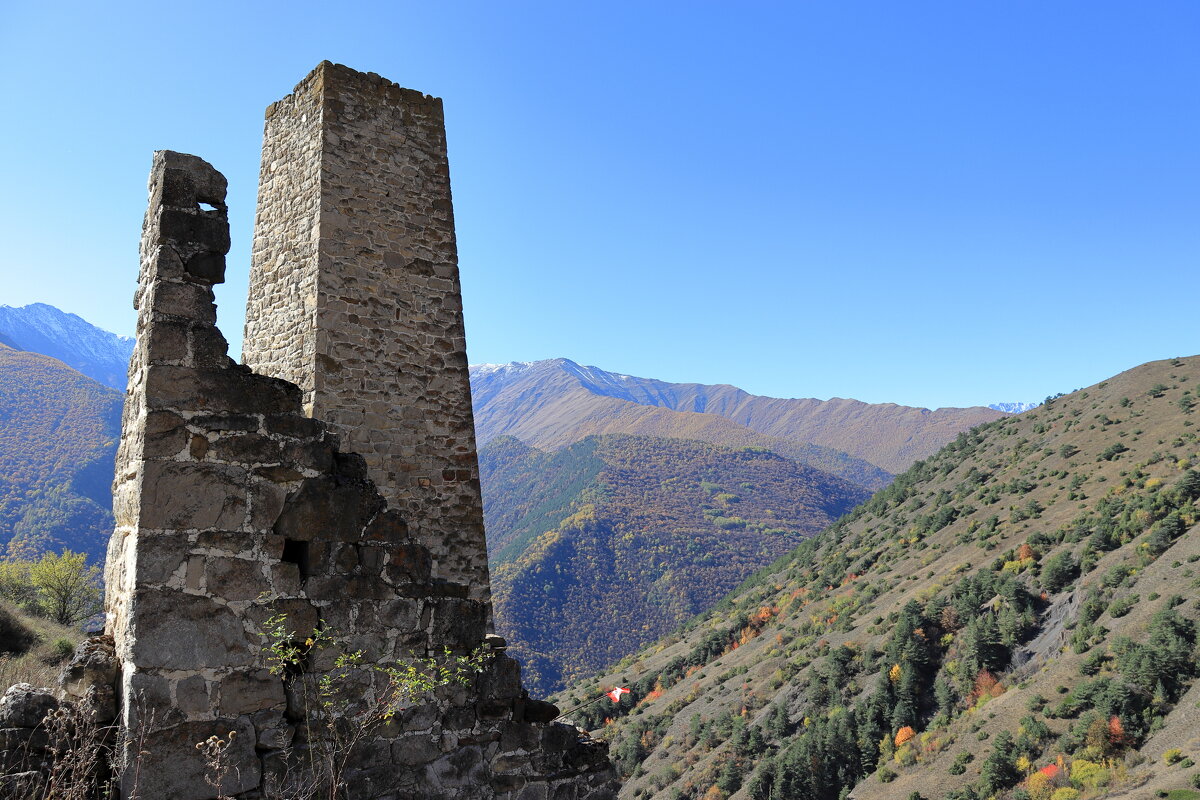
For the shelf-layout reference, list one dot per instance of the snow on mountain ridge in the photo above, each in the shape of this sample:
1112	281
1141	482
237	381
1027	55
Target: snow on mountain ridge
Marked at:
1014	408
491	369
652	391
42	328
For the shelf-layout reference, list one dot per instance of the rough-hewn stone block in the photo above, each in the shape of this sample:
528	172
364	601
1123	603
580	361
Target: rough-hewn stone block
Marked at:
178	495
166	627
218	390
171	767
167	343
188	300
234	578
327	508
165	435
177	225
246	448
159	555
246	692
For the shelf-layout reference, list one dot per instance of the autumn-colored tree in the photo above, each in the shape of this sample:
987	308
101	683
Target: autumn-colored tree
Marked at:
949	619
986	685
1025	551
1096	737
15	586
904	734
1116	733
763	615
1039	786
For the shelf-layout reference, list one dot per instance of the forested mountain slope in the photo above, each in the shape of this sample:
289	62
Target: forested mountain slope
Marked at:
549	404
1013	617
613	541
58	437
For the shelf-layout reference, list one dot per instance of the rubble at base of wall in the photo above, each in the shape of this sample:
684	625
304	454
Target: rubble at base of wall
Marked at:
45	732
52	737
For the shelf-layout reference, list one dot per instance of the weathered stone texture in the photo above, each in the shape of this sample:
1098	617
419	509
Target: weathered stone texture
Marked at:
282	308
355	297
25	749
233	502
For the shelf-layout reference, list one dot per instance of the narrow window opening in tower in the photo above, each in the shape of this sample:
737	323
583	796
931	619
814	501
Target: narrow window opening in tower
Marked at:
296	552
206	206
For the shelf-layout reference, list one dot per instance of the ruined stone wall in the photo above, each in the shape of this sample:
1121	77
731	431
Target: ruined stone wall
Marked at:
233	505
182	255
359	302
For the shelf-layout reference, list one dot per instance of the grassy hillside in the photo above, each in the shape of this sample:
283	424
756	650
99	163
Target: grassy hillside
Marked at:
58	436
1023	602
32	649
611	542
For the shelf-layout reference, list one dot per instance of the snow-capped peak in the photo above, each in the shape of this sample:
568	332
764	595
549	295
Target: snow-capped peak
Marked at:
42	328
1014	408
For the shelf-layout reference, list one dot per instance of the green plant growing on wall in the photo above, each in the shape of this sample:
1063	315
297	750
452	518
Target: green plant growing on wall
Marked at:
346	703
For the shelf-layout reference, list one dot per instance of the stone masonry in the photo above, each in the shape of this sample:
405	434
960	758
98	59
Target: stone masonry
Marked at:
235	502
354	297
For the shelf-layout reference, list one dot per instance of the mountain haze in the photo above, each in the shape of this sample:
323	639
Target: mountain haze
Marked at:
549	404
1013	616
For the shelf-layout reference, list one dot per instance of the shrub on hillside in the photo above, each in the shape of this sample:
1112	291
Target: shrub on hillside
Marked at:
62	587
1059	571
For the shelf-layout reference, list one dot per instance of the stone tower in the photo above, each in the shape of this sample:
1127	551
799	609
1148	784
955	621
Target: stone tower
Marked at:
354	297
243	519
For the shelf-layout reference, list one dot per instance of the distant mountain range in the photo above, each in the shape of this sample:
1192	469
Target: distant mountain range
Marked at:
40	328
549	404
1014	408
612	497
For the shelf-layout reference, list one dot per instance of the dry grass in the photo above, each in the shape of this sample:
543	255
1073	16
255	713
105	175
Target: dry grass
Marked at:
26	669
40	664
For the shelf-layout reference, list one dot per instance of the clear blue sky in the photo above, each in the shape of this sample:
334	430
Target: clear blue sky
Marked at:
930	203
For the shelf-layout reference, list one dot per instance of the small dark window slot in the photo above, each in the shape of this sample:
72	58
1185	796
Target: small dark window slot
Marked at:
296	552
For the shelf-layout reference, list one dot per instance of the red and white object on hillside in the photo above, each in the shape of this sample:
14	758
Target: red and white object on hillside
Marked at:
616	693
